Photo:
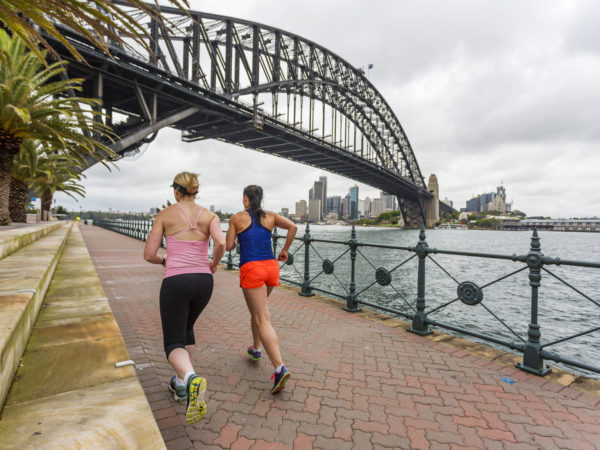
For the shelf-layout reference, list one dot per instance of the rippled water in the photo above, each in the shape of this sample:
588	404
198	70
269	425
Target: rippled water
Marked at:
562	311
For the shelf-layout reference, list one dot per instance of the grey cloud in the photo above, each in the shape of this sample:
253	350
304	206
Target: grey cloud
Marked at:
486	91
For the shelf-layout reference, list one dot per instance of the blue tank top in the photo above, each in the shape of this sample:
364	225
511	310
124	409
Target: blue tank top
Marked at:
255	242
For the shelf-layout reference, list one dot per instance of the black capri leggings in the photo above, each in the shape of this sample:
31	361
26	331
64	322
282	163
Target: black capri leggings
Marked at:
182	299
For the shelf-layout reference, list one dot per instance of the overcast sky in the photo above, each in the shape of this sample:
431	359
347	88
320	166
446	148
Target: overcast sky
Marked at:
486	91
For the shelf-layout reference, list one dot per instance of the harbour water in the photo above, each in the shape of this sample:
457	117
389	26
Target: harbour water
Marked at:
562	311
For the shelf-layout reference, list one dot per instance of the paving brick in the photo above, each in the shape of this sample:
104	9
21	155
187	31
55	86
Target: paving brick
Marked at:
405	391
303	442
228	435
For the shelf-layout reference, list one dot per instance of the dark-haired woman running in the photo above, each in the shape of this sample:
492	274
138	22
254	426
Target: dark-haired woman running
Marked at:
259	272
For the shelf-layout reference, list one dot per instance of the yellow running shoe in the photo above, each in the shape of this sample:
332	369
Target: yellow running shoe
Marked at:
196	407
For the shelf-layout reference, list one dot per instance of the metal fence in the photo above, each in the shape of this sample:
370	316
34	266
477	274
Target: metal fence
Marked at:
308	263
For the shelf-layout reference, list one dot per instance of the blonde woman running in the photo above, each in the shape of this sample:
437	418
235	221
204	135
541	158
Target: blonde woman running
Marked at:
187	284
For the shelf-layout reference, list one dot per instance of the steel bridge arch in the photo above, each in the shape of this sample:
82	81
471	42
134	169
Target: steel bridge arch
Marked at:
228	60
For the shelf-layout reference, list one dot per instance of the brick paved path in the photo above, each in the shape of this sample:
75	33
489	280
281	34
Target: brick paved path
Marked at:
356	383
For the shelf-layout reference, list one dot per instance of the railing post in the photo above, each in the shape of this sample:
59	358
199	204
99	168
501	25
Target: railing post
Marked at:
351	304
306	288
229	261
533	362
419	326
274	237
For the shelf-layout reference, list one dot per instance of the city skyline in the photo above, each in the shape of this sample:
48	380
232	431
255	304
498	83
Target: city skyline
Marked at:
498	91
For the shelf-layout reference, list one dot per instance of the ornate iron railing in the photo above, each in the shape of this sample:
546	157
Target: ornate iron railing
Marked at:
304	253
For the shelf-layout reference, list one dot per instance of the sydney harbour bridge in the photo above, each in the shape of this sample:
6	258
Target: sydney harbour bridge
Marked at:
257	86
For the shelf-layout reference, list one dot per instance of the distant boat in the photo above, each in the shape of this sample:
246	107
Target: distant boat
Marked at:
451	226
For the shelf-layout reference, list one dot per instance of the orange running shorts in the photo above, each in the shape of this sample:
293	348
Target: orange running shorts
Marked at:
254	274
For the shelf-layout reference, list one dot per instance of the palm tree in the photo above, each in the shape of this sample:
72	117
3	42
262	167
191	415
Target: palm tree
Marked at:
34	106
97	20
55	173
25	168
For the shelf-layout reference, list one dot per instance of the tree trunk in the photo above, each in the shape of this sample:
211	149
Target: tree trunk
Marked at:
9	147
47	203
17	201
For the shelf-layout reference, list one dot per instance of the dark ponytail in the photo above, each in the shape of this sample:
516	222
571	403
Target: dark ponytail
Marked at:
255	195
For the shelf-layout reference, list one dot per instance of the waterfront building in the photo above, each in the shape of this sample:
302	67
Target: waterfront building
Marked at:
323	181
311	194
474	204
353	191
331	217
285	212
361	208
497	205
389	200
346	207
377	207
301	211
334	204
319	194
314	210
367	211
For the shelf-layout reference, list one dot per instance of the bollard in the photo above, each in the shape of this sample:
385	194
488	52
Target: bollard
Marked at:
533	362
419	326
229	261
351	304
306	288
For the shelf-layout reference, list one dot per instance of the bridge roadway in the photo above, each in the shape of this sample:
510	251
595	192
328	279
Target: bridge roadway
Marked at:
357	382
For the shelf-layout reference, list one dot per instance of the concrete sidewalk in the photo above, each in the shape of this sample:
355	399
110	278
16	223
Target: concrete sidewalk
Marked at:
356	383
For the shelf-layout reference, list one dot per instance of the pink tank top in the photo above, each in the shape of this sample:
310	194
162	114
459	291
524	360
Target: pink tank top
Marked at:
187	256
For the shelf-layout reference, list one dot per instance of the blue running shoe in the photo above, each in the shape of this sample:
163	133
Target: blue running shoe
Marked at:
253	354
196	407
179	390
280	380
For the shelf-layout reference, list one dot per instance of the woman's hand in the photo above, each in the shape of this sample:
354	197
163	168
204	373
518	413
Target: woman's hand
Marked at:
283	256
214	265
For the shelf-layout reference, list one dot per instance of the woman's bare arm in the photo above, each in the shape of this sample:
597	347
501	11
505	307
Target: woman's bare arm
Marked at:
231	234
287	224
153	243
219	243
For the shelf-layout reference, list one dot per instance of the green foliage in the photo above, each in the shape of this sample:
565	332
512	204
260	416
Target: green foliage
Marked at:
487	223
99	21
60	210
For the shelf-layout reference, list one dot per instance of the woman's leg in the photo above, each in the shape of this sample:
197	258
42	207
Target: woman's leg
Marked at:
255	333
256	299
180	359
174	310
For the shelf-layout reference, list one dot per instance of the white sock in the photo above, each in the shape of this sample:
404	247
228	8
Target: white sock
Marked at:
179	381
256	349
187	377
279	369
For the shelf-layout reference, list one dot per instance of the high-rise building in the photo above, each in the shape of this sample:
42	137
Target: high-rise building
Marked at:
377	207
367	210
301	211
314	210
334	204
284	212
319	194
346	206
474	205
388	200
353	202
311	194
324	198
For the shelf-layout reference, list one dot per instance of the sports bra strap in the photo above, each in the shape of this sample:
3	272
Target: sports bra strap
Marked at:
191	227
186	216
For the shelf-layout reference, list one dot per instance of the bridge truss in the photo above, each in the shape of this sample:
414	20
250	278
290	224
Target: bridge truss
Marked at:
216	77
